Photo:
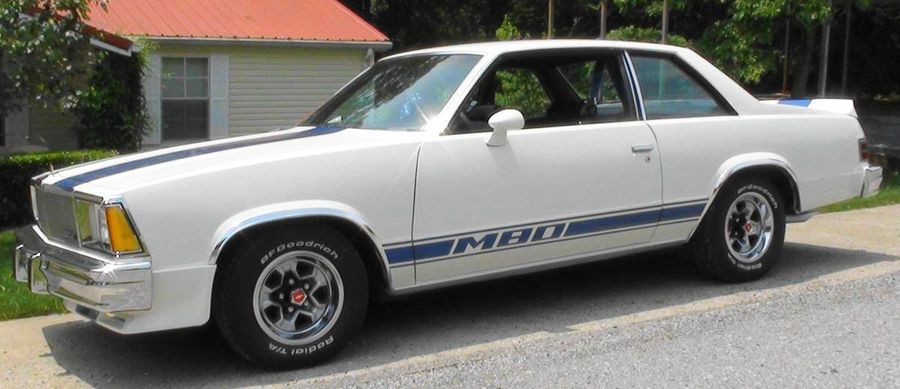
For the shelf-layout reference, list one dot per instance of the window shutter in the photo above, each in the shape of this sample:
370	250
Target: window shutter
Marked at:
218	96
152	94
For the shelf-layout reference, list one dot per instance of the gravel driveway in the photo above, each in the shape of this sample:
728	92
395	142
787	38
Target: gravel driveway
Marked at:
827	315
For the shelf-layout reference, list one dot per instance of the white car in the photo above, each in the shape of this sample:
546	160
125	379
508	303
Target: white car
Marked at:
433	168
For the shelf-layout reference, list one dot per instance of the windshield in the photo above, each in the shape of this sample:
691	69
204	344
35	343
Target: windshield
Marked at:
397	94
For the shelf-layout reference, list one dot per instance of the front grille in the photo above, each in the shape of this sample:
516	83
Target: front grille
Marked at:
56	215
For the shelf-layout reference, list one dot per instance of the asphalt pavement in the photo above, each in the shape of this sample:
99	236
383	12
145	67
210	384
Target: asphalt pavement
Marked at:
827	315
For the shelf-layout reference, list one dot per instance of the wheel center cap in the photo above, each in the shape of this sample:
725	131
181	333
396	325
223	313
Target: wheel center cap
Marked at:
298	297
748	227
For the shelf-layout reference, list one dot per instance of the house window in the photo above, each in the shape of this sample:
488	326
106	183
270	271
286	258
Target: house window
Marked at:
185	98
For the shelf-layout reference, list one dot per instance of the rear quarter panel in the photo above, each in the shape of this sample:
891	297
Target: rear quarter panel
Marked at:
821	149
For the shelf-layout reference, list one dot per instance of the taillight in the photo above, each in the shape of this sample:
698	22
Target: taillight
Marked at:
864	150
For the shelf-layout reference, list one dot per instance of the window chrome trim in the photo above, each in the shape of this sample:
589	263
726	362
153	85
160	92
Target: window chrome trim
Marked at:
636	92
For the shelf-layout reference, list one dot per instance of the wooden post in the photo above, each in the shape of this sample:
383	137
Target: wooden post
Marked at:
823	55
787	56
665	22
603	12
550	19
845	69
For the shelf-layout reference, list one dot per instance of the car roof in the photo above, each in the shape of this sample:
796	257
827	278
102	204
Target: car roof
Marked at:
502	47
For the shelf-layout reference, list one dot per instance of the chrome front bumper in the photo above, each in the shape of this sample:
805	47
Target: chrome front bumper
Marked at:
86	279
871	181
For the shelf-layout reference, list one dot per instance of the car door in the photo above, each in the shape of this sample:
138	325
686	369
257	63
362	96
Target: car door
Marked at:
687	114
576	180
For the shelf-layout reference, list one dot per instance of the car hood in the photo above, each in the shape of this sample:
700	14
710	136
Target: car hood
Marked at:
134	170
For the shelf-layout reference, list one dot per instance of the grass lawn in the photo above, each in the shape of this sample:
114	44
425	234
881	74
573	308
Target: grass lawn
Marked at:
16	300
889	194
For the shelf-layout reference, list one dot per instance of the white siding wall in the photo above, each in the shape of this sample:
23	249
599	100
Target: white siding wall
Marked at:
267	87
276	88
57	130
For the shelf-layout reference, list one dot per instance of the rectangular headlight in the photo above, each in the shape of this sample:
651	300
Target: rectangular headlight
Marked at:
87	221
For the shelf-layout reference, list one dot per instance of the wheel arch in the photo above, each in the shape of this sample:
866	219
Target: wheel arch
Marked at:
771	165
342	217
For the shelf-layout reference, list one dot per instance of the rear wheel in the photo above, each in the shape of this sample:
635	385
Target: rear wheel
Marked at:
291	299
742	235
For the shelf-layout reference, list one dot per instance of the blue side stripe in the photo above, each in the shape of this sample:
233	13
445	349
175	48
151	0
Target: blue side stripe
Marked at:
420	251
681	212
71	182
608	223
400	255
435	249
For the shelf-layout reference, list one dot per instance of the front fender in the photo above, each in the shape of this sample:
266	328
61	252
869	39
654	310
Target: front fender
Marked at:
292	210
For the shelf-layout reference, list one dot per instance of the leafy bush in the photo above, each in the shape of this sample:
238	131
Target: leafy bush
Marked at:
17	170
111	110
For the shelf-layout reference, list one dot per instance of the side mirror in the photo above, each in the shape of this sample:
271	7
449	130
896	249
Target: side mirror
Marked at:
503	121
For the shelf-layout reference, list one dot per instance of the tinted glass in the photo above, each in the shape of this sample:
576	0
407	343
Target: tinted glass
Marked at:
398	94
669	92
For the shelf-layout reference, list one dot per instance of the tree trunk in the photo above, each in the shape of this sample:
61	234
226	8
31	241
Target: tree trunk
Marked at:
804	62
603	13
665	23
550	16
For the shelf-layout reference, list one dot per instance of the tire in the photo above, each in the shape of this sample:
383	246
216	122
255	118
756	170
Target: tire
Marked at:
279	319
733	221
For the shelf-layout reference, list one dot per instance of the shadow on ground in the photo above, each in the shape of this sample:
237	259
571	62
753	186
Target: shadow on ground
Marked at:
434	322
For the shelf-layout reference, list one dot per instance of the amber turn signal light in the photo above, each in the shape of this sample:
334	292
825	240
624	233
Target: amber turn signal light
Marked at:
122	238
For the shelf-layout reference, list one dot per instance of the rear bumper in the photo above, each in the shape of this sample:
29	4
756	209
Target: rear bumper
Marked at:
81	278
871	181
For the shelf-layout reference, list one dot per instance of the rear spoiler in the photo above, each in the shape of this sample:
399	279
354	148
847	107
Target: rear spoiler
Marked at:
844	106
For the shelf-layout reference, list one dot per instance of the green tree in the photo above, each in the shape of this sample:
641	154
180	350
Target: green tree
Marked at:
516	88
747	43
45	52
421	23
744	43
641	34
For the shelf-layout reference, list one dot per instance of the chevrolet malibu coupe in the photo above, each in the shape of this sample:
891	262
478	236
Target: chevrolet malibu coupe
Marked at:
434	168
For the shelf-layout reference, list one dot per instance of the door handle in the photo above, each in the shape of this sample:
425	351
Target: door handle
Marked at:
642	148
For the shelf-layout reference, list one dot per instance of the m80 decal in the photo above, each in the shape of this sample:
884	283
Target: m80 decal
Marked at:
508	238
520	236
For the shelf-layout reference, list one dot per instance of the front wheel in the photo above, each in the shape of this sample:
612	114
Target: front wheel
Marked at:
291	299
742	234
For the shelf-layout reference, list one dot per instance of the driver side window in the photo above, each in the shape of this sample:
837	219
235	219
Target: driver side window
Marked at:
506	87
520	89
551	89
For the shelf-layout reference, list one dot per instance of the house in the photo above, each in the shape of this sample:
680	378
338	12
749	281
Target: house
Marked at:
220	68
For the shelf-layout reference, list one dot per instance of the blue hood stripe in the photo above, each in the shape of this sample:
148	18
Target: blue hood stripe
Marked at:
70	183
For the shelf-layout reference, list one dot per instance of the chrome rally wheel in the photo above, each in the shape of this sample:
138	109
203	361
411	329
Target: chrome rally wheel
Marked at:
749	227
742	233
298	297
290	295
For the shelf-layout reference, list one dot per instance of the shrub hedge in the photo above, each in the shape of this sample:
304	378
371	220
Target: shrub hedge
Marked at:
16	171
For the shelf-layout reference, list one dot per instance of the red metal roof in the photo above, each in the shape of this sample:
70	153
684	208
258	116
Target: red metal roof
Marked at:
289	20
